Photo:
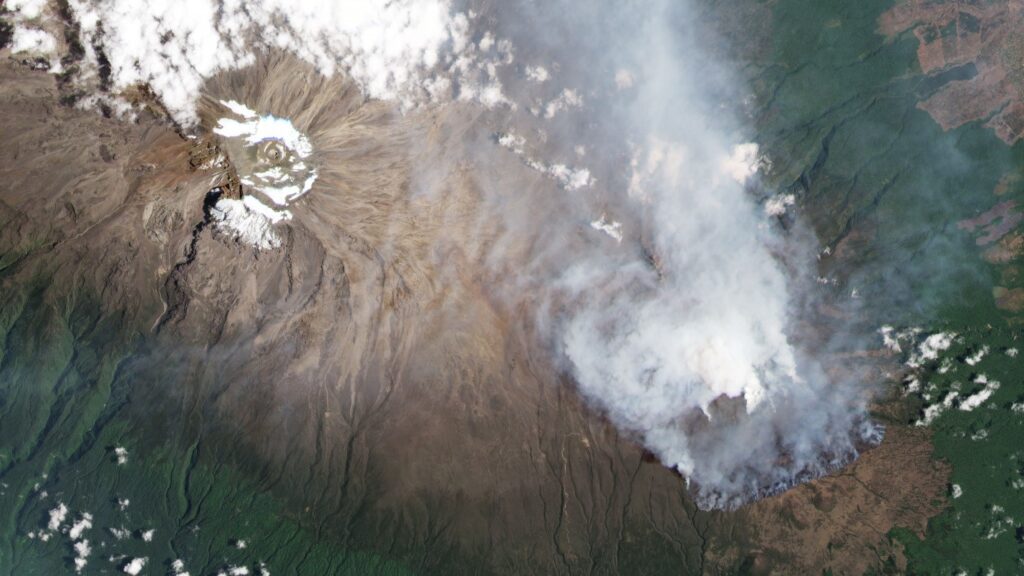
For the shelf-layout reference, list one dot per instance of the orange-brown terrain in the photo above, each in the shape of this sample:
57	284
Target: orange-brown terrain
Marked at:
979	34
366	371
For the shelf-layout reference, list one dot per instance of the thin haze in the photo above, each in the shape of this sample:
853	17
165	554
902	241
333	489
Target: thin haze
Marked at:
702	309
659	283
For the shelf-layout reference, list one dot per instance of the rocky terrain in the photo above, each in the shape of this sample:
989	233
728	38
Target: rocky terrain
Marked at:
367	374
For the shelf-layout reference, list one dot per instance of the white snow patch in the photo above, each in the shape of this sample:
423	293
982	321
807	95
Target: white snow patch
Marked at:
258	128
411	52
249	221
283	178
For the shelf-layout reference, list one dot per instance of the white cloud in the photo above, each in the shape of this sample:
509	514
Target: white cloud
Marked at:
27	9
973	359
33	41
178	567
776	205
57	516
979	398
932	412
890	339
609	227
565	100
623	79
742	163
929	349
84	523
82	551
538	74
407	51
653	345
134	566
567	177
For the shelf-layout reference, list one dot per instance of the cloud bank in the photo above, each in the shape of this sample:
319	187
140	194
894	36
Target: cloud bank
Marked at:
408	51
677	313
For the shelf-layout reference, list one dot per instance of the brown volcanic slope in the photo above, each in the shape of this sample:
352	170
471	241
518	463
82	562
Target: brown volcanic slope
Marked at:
366	372
953	33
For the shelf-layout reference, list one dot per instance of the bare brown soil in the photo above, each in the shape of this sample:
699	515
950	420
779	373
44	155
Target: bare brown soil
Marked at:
952	33
371	373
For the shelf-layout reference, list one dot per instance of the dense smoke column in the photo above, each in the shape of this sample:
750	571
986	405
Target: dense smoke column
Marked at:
661	286
683	333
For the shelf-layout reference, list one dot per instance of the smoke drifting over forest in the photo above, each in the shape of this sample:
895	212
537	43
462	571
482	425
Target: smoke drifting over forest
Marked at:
653	275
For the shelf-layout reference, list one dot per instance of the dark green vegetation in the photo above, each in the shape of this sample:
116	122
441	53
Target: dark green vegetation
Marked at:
885	189
64	412
982	528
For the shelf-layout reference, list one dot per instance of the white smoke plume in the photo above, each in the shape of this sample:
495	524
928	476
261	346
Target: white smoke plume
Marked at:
690	344
681	327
